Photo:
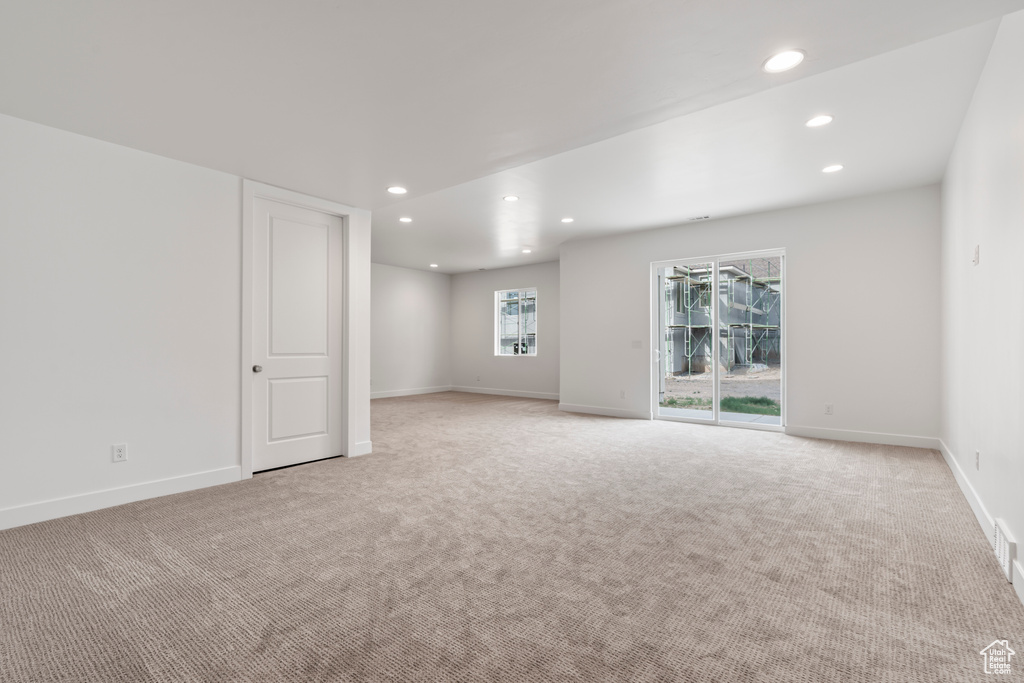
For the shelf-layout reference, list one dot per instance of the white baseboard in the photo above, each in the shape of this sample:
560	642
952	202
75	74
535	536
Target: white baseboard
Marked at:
864	437
361	448
985	520
507	392
409	392
607	412
96	500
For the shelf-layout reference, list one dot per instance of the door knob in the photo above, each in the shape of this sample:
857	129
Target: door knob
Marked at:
257	368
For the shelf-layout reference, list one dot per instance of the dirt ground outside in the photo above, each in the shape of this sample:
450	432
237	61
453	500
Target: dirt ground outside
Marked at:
739	383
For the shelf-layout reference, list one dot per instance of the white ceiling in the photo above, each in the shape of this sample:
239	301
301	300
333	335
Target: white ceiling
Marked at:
341	98
896	119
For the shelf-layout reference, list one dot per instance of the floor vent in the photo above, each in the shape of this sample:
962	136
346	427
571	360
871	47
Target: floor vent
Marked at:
1006	549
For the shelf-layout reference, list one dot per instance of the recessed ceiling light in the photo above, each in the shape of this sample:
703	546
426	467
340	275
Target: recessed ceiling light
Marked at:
395	189
783	61
832	169
511	198
433	265
819	120
567	220
527	251
405	219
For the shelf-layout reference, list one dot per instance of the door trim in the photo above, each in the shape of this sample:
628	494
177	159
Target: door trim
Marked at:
656	340
349	391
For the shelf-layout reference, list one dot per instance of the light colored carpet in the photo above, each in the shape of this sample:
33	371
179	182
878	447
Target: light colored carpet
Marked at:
497	539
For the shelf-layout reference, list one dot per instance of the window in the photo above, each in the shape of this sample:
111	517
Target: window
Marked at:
515	331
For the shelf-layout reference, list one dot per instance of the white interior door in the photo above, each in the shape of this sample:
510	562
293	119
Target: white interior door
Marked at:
297	335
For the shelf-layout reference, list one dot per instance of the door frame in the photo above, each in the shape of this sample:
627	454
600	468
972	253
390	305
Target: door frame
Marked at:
657	347
350	217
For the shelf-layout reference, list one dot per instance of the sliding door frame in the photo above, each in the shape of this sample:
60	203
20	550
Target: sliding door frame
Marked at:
658	336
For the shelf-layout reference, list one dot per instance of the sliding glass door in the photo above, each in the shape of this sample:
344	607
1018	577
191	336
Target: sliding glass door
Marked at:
750	337
686	377
720	332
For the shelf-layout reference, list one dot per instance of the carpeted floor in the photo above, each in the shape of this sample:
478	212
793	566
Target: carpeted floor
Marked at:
497	539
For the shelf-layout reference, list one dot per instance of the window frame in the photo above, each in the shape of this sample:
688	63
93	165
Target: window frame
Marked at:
500	303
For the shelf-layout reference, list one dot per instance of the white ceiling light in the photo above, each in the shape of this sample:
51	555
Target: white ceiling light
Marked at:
783	61
405	219
819	120
511	198
567	220
433	265
832	169
527	251
395	189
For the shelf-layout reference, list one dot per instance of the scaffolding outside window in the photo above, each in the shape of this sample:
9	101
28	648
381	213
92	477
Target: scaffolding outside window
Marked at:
690	292
515	331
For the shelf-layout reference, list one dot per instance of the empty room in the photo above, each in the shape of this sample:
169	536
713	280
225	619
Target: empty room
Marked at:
576	340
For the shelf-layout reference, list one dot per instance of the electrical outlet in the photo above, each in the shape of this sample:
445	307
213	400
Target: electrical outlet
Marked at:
119	452
478	378
977	460
622	394
828	408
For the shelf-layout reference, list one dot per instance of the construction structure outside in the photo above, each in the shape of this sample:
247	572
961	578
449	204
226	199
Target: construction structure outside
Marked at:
748	334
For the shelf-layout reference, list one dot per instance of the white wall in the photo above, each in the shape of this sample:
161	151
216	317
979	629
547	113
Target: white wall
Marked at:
120	282
358	280
862	313
410	330
983	305
474	365
120	310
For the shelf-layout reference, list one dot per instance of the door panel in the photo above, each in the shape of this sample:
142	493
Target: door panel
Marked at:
750	372
297	333
687	350
299	287
298	407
